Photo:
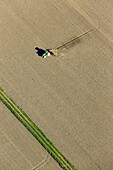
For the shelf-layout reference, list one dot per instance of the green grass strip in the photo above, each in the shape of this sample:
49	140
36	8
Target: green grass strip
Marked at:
35	131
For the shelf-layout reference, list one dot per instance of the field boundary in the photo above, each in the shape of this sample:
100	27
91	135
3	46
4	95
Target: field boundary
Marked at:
35	131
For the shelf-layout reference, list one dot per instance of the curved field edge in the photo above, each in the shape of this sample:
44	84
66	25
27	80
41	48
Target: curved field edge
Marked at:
35	131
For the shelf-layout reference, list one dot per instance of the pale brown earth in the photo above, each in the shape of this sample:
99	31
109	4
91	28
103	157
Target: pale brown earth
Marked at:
18	148
69	97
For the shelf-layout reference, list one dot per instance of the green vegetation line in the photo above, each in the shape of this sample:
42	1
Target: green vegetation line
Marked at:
35	131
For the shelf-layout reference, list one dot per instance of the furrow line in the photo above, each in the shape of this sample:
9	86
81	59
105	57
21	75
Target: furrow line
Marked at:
35	131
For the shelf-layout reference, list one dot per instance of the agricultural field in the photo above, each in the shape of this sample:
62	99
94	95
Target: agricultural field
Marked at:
18	148
68	96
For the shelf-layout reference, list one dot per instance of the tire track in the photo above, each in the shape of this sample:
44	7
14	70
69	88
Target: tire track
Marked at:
36	132
16	148
74	39
43	163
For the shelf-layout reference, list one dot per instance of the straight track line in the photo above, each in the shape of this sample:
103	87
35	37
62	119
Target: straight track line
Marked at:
35	131
74	39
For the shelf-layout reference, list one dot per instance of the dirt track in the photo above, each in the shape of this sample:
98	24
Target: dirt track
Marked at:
69	97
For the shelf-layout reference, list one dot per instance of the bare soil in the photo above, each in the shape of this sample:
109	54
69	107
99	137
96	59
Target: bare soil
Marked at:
69	97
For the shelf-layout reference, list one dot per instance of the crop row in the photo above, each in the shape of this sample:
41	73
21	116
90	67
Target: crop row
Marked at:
35	131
